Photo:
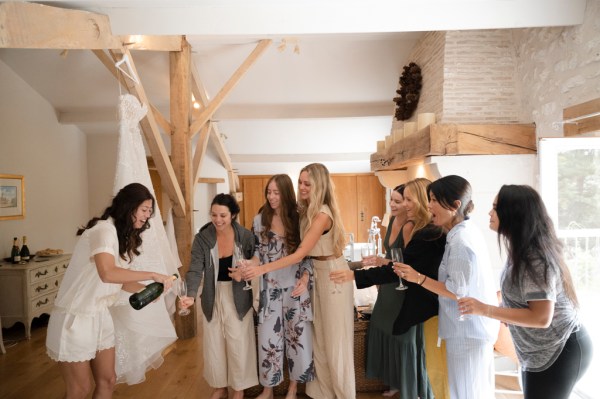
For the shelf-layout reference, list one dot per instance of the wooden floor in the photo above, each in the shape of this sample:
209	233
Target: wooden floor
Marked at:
26	372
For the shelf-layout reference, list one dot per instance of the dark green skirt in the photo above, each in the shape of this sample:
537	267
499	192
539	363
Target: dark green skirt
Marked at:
398	360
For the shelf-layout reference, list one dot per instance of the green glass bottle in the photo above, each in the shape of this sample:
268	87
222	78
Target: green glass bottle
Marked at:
148	294
25	255
15	255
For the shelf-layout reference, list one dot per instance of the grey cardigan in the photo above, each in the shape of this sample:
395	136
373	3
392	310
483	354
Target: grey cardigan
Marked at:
205	255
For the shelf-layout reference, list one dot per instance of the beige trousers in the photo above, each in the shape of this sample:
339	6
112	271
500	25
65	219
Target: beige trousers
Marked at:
229	345
333	337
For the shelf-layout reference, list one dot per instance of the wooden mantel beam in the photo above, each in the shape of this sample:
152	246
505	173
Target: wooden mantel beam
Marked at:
29	25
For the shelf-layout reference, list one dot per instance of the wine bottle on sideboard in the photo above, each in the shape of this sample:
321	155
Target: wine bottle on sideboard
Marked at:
148	294
25	255
15	255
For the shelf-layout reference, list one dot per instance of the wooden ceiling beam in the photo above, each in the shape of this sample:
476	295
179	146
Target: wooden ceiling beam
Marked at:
214	104
29	25
161	120
201	146
201	95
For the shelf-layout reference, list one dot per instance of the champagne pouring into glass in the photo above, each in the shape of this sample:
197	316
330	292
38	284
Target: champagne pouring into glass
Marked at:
180	288
238	254
398	258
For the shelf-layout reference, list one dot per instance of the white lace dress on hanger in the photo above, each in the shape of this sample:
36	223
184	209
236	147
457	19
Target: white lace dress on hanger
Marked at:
141	335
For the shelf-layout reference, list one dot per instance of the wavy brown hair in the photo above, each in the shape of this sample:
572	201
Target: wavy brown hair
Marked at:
122	210
288	212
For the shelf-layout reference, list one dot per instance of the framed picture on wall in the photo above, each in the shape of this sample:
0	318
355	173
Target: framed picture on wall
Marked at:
12	197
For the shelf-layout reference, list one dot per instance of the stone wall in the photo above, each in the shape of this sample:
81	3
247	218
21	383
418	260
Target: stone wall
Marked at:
479	78
509	76
558	68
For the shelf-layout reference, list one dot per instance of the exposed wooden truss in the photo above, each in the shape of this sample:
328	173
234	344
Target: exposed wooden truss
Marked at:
29	25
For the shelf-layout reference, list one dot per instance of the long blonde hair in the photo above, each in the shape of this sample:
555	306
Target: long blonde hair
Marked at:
422	216
322	192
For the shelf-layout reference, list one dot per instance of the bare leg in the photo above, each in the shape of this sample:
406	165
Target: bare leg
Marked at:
78	379
267	393
219	393
238	394
390	393
292	390
103	369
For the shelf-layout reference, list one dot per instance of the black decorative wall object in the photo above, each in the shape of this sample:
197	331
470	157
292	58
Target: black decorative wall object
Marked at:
409	92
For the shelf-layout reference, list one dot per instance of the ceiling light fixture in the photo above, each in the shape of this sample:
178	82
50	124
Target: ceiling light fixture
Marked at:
195	103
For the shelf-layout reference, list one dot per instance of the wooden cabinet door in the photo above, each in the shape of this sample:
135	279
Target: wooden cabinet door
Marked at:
359	197
345	192
370	200
253	191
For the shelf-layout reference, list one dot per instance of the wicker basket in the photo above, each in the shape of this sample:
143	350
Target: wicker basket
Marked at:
363	384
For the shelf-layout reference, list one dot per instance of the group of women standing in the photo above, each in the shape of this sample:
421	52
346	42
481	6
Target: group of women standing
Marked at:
538	298
447	269
293	247
296	246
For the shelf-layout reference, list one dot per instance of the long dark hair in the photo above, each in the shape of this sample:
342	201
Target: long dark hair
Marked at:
288	212
529	236
449	189
122	210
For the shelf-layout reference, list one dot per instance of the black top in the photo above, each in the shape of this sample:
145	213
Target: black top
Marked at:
224	265
424	253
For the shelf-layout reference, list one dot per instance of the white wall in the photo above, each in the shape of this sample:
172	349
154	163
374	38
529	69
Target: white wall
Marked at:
52	157
486	174
102	165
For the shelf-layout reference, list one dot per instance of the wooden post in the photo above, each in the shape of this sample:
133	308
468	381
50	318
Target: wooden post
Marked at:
180	77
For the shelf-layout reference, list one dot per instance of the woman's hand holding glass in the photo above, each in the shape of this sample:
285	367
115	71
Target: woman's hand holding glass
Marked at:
181	290
468	306
341	276
461	289
368	254
251	269
407	273
397	258
185	302
238	253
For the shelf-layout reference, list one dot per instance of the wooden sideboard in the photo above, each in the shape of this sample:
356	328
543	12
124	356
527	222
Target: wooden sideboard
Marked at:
28	290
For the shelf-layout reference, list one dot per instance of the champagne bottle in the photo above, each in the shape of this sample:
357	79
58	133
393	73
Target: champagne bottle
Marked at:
15	255
148	294
25	255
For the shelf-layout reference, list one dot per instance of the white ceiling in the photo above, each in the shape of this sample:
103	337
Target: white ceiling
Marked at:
333	97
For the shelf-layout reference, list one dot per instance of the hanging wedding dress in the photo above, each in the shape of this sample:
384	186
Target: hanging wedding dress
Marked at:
141	335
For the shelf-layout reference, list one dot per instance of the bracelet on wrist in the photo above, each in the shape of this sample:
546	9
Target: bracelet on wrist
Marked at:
424	278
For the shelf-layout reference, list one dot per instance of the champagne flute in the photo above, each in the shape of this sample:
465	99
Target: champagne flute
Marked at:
181	290
336	287
398	258
367	251
238	254
461	289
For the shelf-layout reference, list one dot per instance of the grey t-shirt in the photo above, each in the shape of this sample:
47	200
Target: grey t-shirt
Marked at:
538	348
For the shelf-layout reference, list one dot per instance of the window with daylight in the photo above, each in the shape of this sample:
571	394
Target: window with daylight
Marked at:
570	187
